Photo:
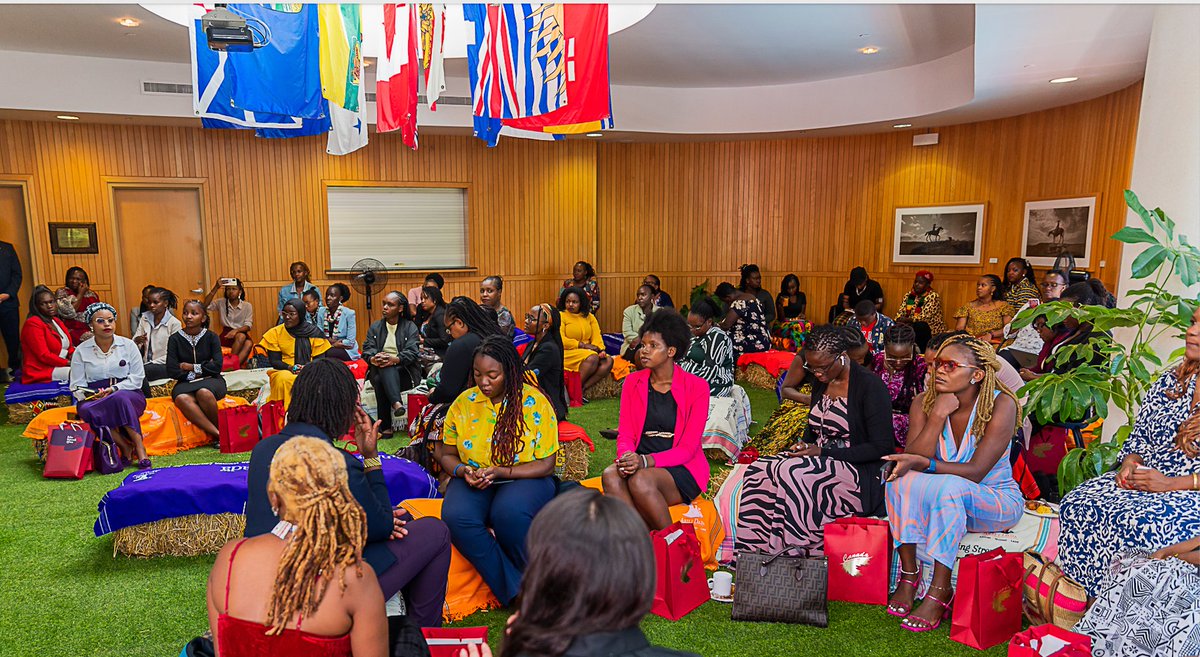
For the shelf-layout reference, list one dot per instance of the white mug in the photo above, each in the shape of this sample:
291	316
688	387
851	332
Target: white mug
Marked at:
721	584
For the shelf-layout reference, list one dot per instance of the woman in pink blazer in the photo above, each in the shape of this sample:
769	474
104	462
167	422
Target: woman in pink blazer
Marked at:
663	411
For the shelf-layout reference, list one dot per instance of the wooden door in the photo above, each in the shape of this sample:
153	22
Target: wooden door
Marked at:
14	230
161	243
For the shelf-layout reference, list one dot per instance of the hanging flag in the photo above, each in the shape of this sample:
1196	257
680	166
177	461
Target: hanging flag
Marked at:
433	43
396	74
519	67
341	54
212	90
484	126
348	129
283	73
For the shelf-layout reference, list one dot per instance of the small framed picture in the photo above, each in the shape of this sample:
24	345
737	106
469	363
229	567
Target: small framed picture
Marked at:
940	235
73	238
1060	226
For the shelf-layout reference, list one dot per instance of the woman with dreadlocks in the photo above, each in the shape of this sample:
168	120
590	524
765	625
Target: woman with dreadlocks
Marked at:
954	476
498	445
300	589
902	369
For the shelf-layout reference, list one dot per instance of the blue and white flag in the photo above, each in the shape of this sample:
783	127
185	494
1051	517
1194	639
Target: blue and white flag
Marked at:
348	129
212	92
283	73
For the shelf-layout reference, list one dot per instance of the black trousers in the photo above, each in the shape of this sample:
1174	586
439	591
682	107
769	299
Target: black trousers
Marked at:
10	332
389	384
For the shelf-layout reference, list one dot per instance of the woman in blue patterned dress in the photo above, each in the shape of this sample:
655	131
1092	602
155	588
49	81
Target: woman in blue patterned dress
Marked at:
1153	499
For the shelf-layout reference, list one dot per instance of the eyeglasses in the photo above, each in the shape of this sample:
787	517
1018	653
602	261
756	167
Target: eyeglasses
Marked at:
823	370
949	366
897	361
530	317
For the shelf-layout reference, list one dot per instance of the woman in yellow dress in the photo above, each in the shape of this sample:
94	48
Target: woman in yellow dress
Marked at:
986	315
583	345
290	346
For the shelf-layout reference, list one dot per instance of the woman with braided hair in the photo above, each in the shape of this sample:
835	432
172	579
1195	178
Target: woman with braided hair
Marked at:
300	589
544	356
499	443
902	369
954	475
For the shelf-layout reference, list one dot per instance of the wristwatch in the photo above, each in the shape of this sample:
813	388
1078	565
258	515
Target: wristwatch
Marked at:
372	462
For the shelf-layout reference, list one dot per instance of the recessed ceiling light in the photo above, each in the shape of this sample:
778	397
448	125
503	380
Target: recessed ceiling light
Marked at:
902	125
67	117
869	50
128	22
1063	80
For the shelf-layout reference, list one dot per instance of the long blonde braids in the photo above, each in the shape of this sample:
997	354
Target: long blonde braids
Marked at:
985	402
308	476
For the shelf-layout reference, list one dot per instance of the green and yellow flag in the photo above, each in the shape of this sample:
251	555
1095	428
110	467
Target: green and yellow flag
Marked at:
341	53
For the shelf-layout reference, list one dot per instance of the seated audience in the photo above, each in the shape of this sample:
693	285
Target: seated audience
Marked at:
236	315
857	348
1021	348
661	298
73	299
498	445
745	321
902	368
582	341
409	556
843	312
306	571
710	354
106	381
565	609
431	322
1069	332
290	347
661	424
790	324
1020	283
751	283
1103	296
312	306
339	323
45	342
544	356
631	321
391	350
861	286
984	317
583	277
954	476
299	285
873	325
923	305
194	361
1153	499
156	325
833	472
414	295
491	293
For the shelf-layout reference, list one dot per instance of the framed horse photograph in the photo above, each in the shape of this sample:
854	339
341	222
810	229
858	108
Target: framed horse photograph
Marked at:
938	235
1059	226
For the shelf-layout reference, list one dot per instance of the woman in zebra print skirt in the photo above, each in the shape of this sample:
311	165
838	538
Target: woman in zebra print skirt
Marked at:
834	472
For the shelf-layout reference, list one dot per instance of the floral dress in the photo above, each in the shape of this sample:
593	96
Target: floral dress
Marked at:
903	386
980	321
925	308
749	333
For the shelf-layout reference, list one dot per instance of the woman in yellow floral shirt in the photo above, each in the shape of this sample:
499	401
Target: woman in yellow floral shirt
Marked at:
499	444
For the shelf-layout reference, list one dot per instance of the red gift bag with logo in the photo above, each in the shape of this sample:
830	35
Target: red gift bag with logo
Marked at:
682	584
987	601
416	403
238	429
859	553
1050	641
69	451
448	641
273	417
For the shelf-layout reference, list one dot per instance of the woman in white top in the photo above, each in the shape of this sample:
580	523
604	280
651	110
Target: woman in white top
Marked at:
106	381
154	327
1021	348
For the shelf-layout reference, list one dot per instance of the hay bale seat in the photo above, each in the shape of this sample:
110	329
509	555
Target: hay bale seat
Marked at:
184	536
26	401
574	445
607	388
762	370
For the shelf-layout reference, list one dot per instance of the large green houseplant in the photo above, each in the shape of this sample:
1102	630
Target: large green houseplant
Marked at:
1126	337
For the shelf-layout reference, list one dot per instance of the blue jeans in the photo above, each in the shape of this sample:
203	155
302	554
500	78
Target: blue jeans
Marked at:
507	509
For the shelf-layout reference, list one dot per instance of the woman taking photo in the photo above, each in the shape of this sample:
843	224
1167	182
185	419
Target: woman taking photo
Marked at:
491	295
984	317
299	285
544	356
902	369
631	321
236	315
663	411
583	277
154	328
745	321
391	350
290	346
582	340
45	342
73	299
338	323
194	360
106	381
498	445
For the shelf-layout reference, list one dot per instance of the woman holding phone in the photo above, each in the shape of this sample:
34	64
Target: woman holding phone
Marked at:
236	315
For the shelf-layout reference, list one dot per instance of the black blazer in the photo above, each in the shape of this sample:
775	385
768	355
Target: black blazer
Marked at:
436	337
546	362
456	369
207	352
870	412
407	344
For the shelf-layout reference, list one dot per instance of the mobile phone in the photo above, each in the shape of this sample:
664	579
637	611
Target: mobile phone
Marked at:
886	471
229	282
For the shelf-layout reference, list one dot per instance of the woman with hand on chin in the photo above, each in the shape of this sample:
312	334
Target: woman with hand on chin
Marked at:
194	360
954	476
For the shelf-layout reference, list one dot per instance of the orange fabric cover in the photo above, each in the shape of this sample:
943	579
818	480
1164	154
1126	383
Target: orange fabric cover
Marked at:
621	368
466	592
774	362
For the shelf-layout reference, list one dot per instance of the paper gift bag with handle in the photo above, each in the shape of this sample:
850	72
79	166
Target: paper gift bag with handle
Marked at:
448	641
859	551
273	416
69	451
237	428
1049	641
682	584
987	602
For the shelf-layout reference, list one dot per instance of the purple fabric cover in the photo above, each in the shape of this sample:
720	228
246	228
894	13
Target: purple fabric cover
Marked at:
20	393
612	343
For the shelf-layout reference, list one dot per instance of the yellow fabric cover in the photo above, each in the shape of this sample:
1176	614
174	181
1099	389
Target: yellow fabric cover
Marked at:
576	330
466	592
471	421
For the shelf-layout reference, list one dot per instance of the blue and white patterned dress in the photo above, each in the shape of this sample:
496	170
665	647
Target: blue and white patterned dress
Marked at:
1099	519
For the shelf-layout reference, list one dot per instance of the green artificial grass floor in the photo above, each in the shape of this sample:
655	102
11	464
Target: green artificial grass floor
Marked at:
64	593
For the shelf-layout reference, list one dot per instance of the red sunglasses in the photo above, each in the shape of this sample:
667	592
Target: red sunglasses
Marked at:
949	366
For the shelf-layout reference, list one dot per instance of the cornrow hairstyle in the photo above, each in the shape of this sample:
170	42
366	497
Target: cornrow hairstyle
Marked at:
476	318
497	281
325	396
168	296
900	334
308	476
203	311
437	280
745	271
985	358
342	290
829	339
508	436
674	329
402	301
1029	275
904	334
585	302
997	286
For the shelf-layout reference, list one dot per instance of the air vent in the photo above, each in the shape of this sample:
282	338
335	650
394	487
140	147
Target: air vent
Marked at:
166	88
444	100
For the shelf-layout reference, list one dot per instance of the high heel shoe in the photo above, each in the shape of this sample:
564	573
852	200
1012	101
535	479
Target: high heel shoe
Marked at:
897	611
918	624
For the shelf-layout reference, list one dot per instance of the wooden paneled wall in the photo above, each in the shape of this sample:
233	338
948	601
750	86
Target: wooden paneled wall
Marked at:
686	211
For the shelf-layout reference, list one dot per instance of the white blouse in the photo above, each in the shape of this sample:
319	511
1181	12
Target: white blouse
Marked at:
156	335
123	361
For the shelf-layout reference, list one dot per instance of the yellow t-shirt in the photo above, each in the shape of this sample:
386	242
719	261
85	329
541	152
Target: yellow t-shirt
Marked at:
278	339
471	421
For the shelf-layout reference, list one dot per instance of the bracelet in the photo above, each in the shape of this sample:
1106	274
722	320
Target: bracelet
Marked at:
1195	481
454	473
932	469
644	465
373	462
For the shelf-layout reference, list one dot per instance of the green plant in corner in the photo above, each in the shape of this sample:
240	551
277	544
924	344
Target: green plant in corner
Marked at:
699	292
1118	370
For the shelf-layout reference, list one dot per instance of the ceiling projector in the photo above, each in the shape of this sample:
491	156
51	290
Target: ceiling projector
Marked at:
226	31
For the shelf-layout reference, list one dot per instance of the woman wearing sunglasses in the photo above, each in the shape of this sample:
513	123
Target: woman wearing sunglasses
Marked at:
833	472
902	370
954	475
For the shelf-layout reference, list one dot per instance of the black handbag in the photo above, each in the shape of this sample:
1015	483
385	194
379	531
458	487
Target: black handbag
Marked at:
777	588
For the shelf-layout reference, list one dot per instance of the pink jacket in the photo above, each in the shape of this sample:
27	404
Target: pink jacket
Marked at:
691	400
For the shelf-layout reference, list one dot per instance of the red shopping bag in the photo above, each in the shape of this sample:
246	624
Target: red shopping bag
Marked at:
273	417
238	429
987	601
574	388
682	584
230	363
1050	641
69	452
446	641
358	368
1048	447
416	402
859	553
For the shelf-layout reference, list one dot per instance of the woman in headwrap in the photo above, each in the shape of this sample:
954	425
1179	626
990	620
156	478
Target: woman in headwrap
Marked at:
290	346
922	306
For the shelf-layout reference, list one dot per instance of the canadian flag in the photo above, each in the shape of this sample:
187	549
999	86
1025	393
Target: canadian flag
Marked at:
397	74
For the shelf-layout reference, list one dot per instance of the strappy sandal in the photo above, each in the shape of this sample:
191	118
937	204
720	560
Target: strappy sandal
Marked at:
898	611
917	624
